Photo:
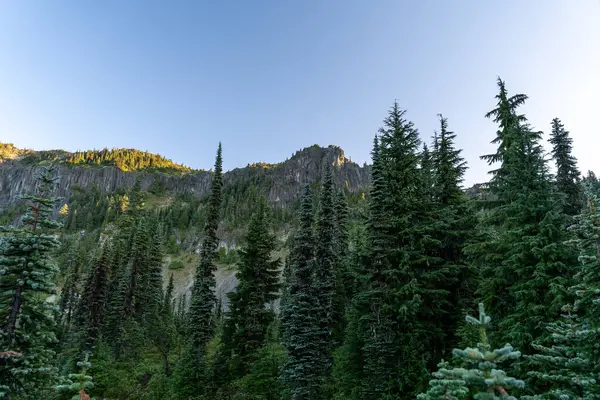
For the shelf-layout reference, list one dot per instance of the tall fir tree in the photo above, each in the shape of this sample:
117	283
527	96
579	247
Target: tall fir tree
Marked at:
385	322
569	366
71	290
27	326
523	262
344	279
248	319
300	326
324	277
506	116
92	307
454	222
568	177
481	377
200	321
168	299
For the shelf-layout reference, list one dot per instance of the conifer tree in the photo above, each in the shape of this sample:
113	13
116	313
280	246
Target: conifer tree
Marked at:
344	282
200	321
248	319
453	222
568	367
167	301
203	298
75	385
523	261
505	114
324	278
139	266
26	280
427	167
567	174
71	290
300	326
396	281
481	377
92	307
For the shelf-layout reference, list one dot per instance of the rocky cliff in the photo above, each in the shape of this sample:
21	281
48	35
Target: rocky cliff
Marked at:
281	182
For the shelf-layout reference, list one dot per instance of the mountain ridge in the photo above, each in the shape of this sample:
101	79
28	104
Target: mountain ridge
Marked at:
279	182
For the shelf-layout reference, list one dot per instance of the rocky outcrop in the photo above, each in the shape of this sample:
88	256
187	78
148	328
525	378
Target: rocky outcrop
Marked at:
281	182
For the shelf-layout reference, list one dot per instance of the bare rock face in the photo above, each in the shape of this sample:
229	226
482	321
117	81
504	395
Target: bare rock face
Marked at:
281	181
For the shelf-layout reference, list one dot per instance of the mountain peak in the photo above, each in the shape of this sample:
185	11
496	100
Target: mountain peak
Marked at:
320	154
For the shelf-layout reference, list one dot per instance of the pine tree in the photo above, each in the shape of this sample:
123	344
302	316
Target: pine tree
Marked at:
568	368
26	280
92	307
203	298
481	378
200	321
567	174
505	114
167	301
453	222
248	319
523	261
299	323
76	384
139	265
324	278
344	282
71	291
385	319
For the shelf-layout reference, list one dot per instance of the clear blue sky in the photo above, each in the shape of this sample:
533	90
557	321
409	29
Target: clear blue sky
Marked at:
268	77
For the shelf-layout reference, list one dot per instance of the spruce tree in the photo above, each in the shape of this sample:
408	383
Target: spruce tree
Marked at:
505	114
567	174
168	299
248	319
200	321
26	280
386	321
344	279
523	260
453	221
92	307
324	277
300	326
568	367
71	290
139	266
203	299
481	377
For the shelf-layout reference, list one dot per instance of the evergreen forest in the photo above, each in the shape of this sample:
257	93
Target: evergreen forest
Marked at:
411	289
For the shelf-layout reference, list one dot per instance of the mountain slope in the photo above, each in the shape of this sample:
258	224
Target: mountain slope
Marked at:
279	182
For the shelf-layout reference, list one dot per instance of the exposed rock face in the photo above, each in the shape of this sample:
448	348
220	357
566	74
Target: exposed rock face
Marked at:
281	181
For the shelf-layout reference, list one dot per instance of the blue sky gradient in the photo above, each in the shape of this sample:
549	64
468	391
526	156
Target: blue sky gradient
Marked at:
269	77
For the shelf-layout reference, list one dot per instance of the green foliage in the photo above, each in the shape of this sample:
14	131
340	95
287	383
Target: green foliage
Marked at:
248	319
74	386
569	367
126	160
300	332
386	330
480	377
524	264
176	264
323	285
8	150
27	272
375	285
200	321
567	174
